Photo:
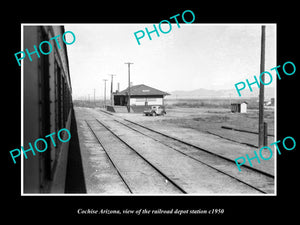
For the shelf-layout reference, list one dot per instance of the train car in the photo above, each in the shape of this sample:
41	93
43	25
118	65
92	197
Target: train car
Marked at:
47	108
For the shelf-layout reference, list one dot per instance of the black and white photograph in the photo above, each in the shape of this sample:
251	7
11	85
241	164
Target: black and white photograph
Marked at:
158	117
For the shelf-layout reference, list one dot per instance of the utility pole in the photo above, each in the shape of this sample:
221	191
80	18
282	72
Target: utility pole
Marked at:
128	85
111	89
104	92
261	126
94	97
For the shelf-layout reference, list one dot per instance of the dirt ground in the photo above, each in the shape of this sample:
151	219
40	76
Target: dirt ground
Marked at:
207	119
188	173
210	120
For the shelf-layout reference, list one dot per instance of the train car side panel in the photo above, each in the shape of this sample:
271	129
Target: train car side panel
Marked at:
47	108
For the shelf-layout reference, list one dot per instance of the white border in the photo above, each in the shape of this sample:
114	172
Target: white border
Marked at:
22	112
112	24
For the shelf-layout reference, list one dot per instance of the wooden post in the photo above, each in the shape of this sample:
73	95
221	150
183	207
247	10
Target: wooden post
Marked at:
261	91
104	93
94	97
129	85
111	89
265	134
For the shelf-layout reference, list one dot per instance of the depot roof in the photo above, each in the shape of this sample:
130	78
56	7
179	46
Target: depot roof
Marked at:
142	89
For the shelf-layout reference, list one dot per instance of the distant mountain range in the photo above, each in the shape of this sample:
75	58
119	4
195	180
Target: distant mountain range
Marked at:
224	93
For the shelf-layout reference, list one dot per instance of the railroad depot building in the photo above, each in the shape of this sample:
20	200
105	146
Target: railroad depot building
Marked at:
141	97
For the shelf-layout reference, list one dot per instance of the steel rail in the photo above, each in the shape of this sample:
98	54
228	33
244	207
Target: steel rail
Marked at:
201	149
147	161
193	158
110	159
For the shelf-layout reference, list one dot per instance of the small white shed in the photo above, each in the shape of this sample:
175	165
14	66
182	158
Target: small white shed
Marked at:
239	107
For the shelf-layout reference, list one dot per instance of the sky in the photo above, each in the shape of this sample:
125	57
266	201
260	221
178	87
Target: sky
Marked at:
211	56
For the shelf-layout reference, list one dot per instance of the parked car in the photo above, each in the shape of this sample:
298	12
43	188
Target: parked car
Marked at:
155	111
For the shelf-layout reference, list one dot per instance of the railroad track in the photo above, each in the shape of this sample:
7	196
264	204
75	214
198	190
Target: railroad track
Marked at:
136	183
251	178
